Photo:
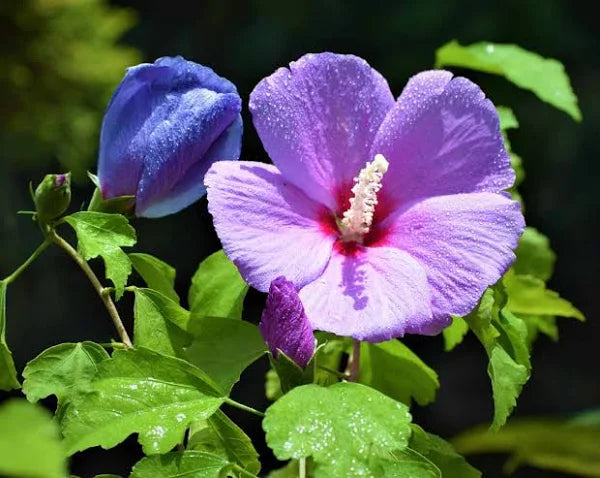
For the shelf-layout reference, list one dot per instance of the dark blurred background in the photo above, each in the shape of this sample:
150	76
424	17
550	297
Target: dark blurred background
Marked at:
61	59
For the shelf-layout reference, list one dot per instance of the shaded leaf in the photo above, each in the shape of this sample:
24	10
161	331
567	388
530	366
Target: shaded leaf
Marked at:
140	391
220	436
558	445
62	369
101	234
196	464
545	77
157	274
30	442
8	373
442	454
217	288
392	368
346	428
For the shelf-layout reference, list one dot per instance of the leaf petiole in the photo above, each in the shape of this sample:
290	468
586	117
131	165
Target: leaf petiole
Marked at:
38	252
241	406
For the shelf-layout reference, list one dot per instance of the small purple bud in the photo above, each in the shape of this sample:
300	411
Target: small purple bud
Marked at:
61	179
284	324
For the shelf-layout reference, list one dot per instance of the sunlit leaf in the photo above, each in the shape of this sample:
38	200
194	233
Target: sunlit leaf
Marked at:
217	288
347	428
157	274
392	368
508	120
101	234
30	442
193	464
455	333
220	436
545	77
534	255
8	373
140	391
62	369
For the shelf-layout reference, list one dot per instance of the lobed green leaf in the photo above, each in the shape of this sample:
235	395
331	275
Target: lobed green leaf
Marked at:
534	255
103	235
196	464
348	429
545	77
144	392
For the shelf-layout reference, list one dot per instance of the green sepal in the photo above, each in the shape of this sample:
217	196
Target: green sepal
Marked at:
290	374
52	197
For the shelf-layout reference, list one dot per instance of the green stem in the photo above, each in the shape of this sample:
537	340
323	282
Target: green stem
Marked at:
241	406
302	468
106	298
239	469
42	247
355	364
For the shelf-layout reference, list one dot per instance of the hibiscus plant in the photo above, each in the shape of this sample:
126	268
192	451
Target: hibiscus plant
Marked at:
378	217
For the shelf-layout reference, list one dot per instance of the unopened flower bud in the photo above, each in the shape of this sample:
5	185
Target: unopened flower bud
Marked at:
284	325
52	196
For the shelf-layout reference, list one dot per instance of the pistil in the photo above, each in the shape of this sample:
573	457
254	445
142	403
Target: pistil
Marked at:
358	218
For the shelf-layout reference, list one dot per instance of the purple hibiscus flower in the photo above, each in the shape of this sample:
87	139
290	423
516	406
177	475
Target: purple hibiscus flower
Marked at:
284	325
166	123
388	215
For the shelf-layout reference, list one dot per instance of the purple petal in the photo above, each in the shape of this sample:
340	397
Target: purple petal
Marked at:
191	187
442	137
284	324
159	126
371	294
268	227
318	119
465	243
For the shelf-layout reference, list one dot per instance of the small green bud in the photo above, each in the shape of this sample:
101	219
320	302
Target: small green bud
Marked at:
53	196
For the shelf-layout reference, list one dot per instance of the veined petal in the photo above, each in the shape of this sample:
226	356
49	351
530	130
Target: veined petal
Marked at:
464	242
371	294
191	187
268	227
442	137
318	119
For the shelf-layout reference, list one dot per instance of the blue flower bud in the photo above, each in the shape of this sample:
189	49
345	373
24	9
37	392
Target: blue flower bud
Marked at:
284	325
165	125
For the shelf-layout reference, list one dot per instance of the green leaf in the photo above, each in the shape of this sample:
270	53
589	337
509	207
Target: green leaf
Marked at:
61	370
8	373
160	323
528	295
346	428
217	288
30	442
407	463
455	333
194	464
101	234
290	470
508	120
504	337
534	255
442	454
219	435
140	391
392	368
545	77
221	347
157	274
559	445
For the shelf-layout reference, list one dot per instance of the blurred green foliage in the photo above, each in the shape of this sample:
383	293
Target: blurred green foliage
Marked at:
59	63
